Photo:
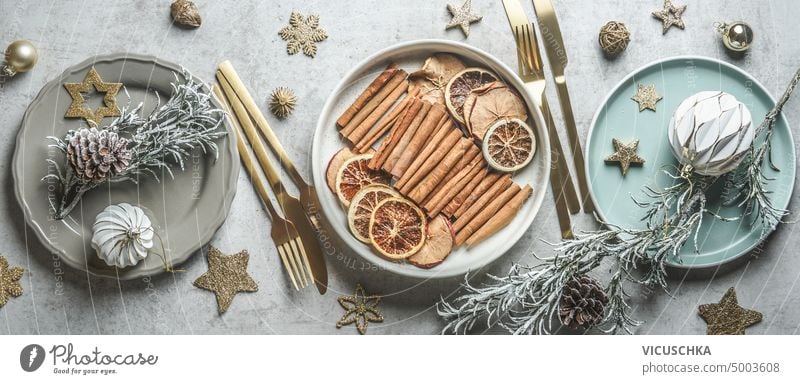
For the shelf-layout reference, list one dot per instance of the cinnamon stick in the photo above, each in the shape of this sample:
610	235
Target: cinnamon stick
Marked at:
451	187
502	218
401	145
398	77
488	211
361	129
394	135
385	123
456	203
429	158
409	152
366	95
479	197
464	162
435	176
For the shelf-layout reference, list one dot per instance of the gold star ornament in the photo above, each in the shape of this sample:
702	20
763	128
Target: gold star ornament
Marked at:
78	107
9	281
302	33
462	17
647	97
360	309
625	155
727	317
226	276
670	15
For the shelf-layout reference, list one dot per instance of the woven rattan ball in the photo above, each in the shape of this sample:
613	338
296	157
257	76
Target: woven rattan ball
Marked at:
614	38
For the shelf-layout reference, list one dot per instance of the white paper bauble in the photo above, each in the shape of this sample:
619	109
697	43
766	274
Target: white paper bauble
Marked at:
122	235
712	132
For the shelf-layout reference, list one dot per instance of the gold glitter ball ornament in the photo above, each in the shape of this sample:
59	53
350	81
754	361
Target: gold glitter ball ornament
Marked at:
302	33
282	102
614	38
9	281
670	15
360	309
727	317
185	13
20	56
78	109
462	17
226	276
625	155
647	97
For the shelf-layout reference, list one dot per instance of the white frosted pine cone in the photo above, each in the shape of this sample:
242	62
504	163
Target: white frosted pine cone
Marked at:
97	155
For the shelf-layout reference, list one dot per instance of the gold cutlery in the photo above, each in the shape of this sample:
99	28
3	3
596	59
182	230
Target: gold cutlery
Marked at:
305	212
557	56
531	71
284	234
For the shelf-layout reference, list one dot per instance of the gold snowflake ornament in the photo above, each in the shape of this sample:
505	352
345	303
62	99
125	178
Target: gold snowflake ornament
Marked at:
282	102
360	309
303	33
462	16
9	281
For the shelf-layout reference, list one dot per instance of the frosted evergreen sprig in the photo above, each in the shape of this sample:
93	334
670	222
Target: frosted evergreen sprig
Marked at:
527	298
163	139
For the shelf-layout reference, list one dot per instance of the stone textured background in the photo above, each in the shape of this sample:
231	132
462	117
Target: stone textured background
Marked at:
65	301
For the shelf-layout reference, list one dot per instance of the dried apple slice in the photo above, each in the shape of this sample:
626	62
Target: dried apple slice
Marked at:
362	206
490	103
355	174
397	228
438	244
457	89
434	75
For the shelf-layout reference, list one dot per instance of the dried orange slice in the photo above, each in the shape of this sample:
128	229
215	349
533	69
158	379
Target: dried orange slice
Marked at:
509	145
457	89
354	174
362	205
438	244
397	228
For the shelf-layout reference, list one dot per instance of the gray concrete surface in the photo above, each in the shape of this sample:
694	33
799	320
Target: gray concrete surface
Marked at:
64	301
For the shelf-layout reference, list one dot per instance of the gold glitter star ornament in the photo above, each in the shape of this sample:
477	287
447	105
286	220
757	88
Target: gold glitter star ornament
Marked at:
226	276
360	309
78	109
647	97
727	317
625	155
462	16
670	15
302	33
9	281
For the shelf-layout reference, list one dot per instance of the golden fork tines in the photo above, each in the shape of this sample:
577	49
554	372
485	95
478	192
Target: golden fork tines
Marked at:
305	213
290	246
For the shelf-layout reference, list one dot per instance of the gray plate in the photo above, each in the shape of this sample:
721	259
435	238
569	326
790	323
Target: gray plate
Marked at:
186	210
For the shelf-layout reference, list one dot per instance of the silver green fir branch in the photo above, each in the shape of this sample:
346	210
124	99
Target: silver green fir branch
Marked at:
163	139
526	300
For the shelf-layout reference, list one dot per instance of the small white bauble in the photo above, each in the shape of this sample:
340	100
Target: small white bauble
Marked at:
711	132
122	235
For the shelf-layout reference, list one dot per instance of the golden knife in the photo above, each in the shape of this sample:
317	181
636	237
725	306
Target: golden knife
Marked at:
557	56
311	228
529	57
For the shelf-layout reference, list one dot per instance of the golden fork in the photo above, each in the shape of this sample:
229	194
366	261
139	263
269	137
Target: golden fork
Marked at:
284	234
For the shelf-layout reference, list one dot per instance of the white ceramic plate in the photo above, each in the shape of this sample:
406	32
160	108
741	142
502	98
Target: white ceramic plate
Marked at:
327	141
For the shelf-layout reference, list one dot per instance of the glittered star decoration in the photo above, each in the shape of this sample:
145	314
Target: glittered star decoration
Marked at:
360	309
9	281
303	33
76	91
647	97
670	15
727	317
462	16
625	155
226	276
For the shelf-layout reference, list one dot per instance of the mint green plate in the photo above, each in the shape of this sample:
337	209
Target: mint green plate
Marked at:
619	117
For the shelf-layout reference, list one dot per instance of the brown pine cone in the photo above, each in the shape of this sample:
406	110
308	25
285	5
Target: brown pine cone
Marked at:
97	155
582	303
